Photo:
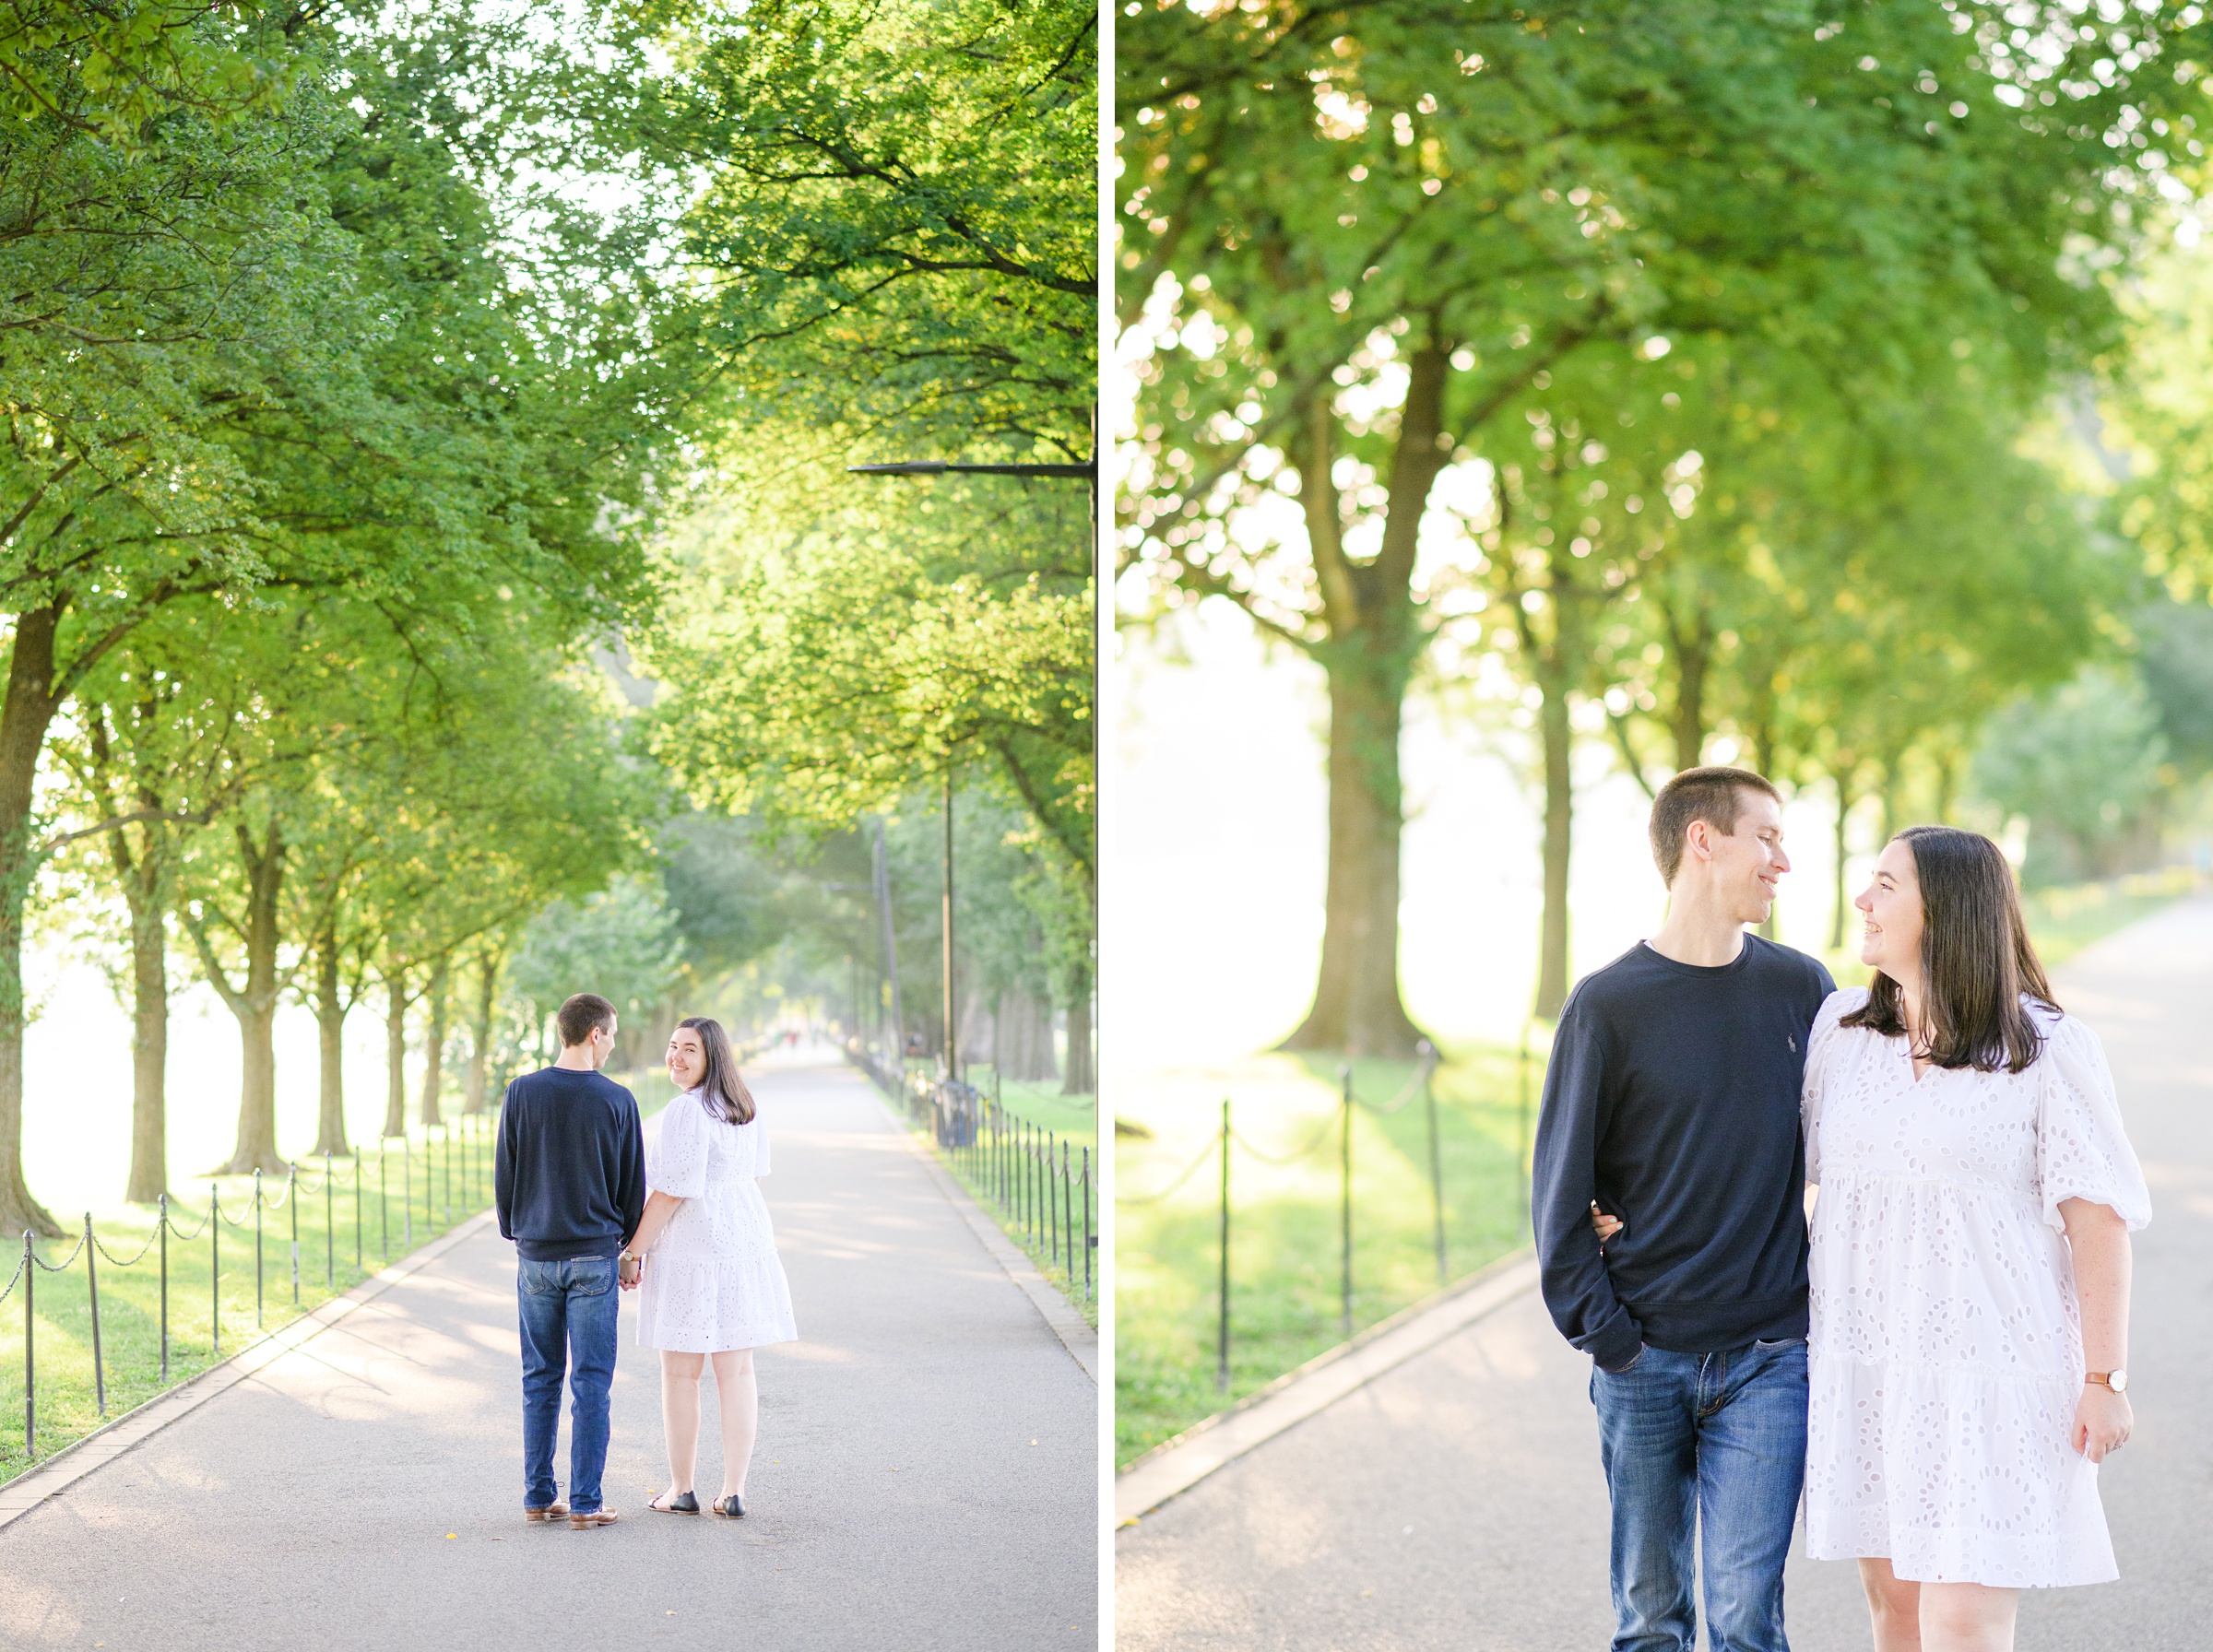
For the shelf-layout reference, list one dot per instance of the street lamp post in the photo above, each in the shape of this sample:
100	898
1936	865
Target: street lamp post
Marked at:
1086	471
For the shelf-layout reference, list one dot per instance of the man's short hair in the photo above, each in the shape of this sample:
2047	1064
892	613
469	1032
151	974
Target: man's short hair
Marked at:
580	1016
1713	794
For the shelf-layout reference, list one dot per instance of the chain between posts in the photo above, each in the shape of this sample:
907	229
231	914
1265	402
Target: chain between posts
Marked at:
1339	1130
1040	1183
89	1246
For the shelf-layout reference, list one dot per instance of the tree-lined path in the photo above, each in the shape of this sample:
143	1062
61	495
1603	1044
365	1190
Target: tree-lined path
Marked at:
927	1476
1457	1501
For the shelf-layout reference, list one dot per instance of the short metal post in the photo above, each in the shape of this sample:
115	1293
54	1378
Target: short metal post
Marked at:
291	1200
357	1208
407	1192
1222	1334
1068	1213
100	1370
1344	1076
1437	1166
1052	1223
163	1230
258	1247
215	1271
330	1229
383	1193
1521	1138
1091	1242
31	1367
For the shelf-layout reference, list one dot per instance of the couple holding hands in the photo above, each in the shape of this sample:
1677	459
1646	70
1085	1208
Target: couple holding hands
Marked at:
1940	1370
590	1218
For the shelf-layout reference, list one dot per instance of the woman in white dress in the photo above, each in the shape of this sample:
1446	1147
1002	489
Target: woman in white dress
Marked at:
1970	1261
710	1286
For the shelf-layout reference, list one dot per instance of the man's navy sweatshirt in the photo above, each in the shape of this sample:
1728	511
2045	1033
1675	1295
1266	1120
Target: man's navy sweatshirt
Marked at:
1671	1099
570	1172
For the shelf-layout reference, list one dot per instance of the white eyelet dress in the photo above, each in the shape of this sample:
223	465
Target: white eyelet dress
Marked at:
1946	1356
712	1282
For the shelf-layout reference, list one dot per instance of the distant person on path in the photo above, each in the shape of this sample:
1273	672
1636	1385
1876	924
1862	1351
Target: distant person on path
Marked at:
570	1176
710	1284
1671	1100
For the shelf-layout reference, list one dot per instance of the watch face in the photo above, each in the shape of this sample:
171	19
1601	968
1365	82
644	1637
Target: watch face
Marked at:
2119	1382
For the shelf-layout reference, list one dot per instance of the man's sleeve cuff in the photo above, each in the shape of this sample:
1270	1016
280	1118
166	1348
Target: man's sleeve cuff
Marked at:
1617	1344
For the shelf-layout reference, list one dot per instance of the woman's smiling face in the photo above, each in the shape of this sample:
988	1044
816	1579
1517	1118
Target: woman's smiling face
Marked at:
1891	903
687	1059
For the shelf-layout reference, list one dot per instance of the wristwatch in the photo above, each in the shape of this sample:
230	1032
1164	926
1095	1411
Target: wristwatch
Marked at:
2115	1380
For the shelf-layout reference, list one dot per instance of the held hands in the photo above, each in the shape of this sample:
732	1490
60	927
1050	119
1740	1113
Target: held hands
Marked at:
628	1269
1603	1225
2102	1422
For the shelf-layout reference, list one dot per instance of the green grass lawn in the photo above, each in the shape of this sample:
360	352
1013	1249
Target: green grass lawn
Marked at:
1045	1215
404	1199
1074	1117
1285	1246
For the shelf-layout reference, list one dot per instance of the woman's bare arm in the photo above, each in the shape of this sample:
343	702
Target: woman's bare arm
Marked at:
659	1207
2099	1240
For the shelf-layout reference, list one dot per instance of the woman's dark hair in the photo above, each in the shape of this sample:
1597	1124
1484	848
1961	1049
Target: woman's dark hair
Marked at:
721	1090
1976	959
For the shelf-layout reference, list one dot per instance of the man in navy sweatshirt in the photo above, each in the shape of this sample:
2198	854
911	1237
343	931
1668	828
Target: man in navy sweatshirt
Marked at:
571	1185
1671	1103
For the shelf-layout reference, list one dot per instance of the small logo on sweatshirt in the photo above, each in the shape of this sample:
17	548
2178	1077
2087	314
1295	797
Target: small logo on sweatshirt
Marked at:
1794	1041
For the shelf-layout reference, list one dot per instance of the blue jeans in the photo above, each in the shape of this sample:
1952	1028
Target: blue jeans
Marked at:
1713	1444
568	1311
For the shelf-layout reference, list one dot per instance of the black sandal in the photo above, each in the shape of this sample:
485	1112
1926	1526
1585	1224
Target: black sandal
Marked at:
731	1507
683	1503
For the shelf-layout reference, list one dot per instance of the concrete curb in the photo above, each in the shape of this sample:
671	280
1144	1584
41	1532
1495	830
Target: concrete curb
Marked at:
1076	1333
111	1439
1176	1465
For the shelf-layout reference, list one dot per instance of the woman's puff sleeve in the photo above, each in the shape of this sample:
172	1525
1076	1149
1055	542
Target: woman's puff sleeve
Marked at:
2082	1148
1819	1043
680	1153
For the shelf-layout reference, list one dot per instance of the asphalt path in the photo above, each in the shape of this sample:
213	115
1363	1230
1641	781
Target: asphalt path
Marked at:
1457	1500
926	1473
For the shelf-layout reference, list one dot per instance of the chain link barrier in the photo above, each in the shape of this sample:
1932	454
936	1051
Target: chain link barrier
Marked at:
466	1160
1335	1130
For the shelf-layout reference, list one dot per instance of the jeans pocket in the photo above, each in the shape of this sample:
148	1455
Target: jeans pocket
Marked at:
1624	1370
1764	1345
591	1276
542	1279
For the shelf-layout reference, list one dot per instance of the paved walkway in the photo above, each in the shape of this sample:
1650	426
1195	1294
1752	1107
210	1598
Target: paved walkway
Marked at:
1456	1502
926	1475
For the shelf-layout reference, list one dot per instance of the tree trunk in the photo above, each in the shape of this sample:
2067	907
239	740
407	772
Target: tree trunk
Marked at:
434	1068
330	1039
1559	737
1694	650
149	1041
1080	1079
1356	1005
396	1054
1373	642
255	1004
24	719
474	1098
1836	922
1022	1032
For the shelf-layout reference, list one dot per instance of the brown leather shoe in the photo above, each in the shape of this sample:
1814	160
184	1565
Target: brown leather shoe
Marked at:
598	1517
552	1511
